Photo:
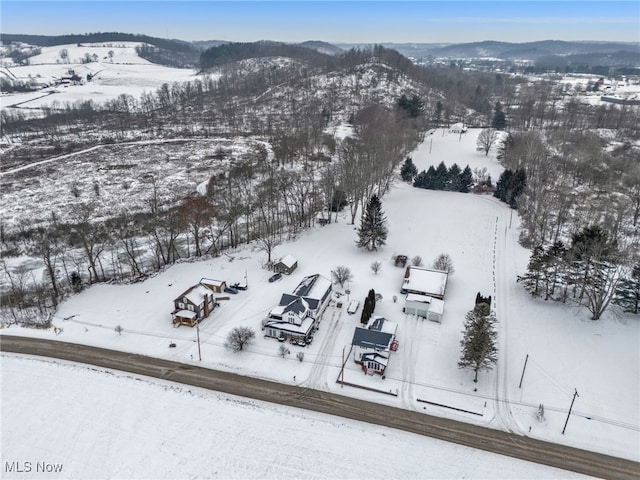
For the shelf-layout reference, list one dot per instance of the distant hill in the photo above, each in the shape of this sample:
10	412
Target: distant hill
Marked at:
322	47
235	51
595	53
177	53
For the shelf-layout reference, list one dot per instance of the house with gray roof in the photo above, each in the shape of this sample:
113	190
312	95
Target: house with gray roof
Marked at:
298	314
372	345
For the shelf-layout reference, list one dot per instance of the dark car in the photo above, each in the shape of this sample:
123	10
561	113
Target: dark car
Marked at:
275	277
230	290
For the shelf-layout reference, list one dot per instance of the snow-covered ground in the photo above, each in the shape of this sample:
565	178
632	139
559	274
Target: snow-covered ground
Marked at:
123	73
566	350
103	424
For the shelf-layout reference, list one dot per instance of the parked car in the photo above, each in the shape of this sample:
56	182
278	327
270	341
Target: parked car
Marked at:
275	277
353	307
240	286
230	290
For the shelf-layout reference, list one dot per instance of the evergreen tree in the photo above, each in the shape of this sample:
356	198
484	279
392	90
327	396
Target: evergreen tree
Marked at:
408	170
466	180
373	229
430	179
414	107
499	121
438	115
479	351
531	279
502	185
510	186
420	180
441	177
453	178
628	293
368	307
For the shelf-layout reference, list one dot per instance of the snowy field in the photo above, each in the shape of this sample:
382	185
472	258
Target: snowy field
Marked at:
124	73
566	350
103	424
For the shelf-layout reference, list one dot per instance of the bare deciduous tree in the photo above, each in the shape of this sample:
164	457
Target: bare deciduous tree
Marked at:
341	275
239	338
376	267
443	262
486	139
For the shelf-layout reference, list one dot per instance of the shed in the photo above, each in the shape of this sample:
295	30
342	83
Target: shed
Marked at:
217	286
286	265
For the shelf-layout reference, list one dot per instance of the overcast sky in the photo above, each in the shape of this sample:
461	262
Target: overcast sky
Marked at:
333	21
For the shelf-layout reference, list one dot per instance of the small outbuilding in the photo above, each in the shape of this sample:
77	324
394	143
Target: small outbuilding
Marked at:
286	265
216	286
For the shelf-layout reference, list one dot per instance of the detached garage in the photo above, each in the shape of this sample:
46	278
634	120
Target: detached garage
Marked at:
424	306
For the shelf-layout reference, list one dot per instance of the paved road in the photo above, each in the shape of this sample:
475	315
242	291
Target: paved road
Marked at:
582	461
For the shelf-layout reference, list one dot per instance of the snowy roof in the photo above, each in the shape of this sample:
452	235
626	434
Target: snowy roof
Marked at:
416	297
196	294
381	324
209	281
437	306
313	286
283	325
425	281
288	261
184	314
374	339
379	357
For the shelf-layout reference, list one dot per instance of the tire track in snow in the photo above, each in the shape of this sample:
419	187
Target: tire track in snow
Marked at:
502	309
317	377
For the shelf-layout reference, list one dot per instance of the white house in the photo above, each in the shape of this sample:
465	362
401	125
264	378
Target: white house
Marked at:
298	314
373	345
458	128
425	289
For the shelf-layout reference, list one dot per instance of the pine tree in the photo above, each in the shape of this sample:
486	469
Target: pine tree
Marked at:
373	230
420	180
466	180
479	351
531	279
499	121
628	293
408	170
441	177
453	178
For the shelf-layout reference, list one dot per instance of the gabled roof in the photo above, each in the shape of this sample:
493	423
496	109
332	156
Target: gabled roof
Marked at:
374	339
381	358
288	261
313	287
381	324
298	306
195	294
210	281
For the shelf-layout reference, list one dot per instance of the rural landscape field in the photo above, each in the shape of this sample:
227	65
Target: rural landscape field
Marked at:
447	230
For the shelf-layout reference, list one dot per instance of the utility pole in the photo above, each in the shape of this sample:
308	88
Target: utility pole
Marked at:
198	334
568	414
523	369
342	371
